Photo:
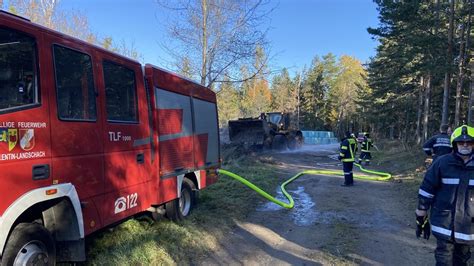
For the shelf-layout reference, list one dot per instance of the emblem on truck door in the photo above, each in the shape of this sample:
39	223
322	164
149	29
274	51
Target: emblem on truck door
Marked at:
12	138
27	139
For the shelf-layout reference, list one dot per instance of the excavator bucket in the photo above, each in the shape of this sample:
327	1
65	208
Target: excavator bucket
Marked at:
248	131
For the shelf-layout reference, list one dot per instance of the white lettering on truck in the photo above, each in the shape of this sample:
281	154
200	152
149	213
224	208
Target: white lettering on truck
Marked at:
22	155
125	203
117	136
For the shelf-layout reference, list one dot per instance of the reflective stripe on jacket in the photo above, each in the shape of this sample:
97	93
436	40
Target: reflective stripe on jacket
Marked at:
439	145
348	149
448	188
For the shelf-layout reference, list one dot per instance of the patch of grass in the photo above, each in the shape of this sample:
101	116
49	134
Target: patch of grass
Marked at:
406	164
144	242
398	159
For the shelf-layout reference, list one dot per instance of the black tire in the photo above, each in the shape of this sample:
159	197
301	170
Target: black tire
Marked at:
292	144
30	244
178	209
279	142
299	140
267	142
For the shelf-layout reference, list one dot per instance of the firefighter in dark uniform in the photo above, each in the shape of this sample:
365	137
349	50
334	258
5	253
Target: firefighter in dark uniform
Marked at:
346	156
439	144
448	189
365	149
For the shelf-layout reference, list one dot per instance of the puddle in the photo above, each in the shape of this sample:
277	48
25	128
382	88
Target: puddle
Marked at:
305	213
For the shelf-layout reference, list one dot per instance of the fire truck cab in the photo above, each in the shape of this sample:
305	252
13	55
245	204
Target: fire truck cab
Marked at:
89	138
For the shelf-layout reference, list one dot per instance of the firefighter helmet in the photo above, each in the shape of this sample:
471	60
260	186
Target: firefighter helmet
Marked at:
463	133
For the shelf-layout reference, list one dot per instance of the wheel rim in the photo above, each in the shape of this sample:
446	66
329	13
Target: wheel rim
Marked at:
32	253
185	202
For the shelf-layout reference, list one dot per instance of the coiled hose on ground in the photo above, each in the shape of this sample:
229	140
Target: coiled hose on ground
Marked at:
379	176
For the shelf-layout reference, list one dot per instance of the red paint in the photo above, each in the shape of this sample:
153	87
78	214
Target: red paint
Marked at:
174	121
105	160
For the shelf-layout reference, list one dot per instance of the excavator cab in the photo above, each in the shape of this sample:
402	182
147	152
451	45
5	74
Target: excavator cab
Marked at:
278	120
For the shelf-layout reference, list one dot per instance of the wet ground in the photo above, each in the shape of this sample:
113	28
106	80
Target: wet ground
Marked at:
368	224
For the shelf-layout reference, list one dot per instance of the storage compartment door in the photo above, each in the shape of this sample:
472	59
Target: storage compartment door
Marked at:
206	142
175	132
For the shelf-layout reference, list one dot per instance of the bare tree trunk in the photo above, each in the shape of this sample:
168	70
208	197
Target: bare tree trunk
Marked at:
298	89
447	75
469	59
419	112
204	42
426	111
463	54
457	109
407	121
471	96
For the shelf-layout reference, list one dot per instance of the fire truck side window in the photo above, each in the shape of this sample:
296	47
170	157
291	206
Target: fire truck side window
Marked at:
18	73
120	91
74	85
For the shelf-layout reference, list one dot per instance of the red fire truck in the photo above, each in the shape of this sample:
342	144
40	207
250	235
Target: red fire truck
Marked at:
89	138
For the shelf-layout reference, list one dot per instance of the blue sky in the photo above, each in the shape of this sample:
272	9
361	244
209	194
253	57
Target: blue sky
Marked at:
299	29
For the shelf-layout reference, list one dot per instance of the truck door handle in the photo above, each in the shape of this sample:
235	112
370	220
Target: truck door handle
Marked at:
140	158
40	171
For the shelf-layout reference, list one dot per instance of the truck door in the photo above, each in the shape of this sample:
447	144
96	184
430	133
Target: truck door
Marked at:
126	136
25	149
77	147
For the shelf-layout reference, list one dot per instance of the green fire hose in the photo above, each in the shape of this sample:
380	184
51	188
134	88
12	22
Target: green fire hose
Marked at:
380	176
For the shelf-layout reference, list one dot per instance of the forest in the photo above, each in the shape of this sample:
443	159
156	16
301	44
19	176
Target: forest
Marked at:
421	77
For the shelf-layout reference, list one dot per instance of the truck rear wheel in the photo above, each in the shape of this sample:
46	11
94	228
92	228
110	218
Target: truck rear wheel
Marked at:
30	244
178	209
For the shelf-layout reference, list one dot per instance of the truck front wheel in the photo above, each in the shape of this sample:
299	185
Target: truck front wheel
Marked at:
279	143
30	244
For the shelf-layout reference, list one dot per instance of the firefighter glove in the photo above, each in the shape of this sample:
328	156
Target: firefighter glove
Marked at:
339	157
428	161
423	227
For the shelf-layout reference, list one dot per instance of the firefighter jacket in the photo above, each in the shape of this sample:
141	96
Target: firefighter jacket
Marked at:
440	144
448	188
366	145
348	149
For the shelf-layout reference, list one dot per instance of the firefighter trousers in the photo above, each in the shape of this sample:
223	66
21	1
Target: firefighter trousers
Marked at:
347	169
365	155
450	253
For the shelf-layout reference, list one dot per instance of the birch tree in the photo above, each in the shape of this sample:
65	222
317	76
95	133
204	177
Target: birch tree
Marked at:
218	36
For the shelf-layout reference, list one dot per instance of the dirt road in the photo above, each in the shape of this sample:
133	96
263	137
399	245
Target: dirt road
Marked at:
369	224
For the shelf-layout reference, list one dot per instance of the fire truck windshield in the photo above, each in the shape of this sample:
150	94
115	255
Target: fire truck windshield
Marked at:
18	78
